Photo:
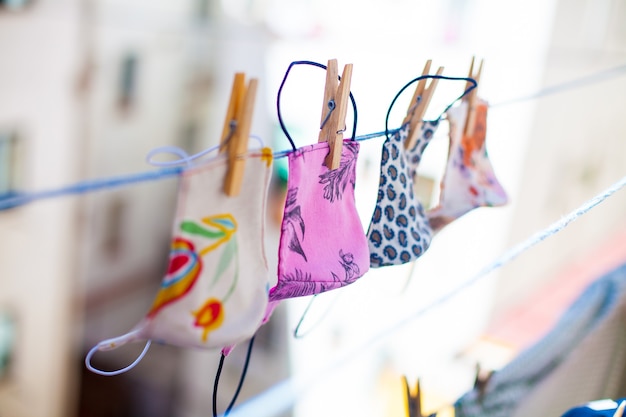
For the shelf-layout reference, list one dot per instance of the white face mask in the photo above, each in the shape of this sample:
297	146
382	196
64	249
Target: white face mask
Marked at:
214	293
469	180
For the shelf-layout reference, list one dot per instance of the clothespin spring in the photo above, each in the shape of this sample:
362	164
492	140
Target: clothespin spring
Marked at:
415	105
232	126
331	108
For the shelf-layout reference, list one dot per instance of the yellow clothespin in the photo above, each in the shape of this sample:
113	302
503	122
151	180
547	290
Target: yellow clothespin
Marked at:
620	410
471	98
336	95
419	104
236	132
413	401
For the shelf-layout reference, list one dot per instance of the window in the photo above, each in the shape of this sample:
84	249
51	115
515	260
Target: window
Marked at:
127	82
8	164
7	343
13	4
115	216
190	137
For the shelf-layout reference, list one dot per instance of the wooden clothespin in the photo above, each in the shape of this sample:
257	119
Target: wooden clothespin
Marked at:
413	401
336	95
620	410
419	104
472	97
481	380
236	132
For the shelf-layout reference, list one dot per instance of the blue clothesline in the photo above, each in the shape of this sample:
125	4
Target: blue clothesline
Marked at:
118	181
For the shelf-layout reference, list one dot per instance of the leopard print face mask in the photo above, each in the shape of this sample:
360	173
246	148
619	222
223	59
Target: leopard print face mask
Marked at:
399	231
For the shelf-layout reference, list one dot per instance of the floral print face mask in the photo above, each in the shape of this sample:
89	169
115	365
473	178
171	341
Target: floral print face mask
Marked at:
214	293
469	181
322	243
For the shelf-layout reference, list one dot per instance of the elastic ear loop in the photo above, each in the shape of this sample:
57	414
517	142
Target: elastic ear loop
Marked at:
110	344
280	90
422	77
184	156
300	335
407	280
407	85
241	379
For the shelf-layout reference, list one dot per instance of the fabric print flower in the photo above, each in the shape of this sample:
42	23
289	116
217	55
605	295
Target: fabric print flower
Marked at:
351	268
183	271
210	317
330	285
218	229
337	180
293	223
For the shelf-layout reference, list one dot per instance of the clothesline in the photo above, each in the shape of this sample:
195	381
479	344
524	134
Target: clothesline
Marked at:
282	396
123	180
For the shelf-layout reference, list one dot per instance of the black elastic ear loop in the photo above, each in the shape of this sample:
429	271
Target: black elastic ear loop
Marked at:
407	85
422	77
280	89
241	379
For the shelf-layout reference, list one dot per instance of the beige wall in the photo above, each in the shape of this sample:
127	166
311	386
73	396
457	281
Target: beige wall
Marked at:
577	148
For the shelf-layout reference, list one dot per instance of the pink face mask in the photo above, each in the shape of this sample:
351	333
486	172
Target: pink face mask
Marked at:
322	243
469	181
214	292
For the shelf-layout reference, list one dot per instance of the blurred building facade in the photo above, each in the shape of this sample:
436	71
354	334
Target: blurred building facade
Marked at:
89	87
39	246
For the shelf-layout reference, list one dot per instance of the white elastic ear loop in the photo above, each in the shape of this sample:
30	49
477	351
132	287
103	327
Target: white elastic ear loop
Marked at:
258	139
185	158
111	344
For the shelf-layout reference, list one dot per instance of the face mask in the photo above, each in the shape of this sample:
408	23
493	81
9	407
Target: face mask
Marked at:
214	293
469	181
399	231
322	244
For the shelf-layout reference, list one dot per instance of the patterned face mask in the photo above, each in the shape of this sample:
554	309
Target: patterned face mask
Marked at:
469	181
214	293
399	231
322	244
